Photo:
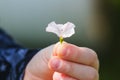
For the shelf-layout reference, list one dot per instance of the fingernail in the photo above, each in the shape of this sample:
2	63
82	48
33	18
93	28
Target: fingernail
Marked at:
55	51
55	64
59	49
63	51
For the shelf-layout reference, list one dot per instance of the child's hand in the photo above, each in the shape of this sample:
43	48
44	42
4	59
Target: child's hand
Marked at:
63	62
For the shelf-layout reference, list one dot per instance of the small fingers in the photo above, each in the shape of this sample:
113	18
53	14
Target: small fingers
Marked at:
77	71
76	54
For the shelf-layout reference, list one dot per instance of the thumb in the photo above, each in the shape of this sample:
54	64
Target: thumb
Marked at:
38	66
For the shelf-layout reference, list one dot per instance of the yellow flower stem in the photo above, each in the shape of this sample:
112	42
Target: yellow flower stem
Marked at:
61	39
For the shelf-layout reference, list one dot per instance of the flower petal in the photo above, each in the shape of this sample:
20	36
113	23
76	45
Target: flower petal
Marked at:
61	30
68	33
68	30
52	27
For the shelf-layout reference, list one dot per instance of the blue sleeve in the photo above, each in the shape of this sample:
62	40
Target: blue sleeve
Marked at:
13	58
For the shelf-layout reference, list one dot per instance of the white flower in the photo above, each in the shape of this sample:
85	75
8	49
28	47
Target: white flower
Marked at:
61	30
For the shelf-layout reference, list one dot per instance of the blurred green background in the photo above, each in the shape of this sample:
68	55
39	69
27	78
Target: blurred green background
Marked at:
97	26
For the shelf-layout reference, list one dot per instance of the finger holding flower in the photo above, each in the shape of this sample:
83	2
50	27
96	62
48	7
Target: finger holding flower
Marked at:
71	62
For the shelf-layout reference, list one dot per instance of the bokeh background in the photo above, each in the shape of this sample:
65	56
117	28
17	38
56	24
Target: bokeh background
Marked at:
97	26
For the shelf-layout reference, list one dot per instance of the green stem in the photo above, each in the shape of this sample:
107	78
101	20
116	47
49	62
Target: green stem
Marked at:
61	39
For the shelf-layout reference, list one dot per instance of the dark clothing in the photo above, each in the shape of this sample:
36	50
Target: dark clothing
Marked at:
13	58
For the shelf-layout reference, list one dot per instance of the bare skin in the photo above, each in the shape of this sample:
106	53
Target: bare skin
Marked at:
63	62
